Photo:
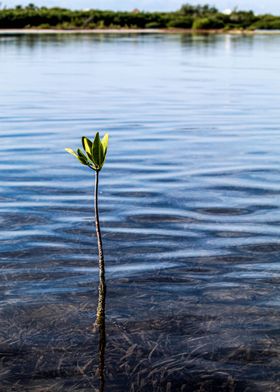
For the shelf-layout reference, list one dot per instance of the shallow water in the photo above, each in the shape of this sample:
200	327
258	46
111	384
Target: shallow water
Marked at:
190	211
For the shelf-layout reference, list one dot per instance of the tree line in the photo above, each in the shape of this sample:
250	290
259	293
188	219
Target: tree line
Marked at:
202	17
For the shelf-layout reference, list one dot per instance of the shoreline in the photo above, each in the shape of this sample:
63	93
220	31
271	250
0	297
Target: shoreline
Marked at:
136	31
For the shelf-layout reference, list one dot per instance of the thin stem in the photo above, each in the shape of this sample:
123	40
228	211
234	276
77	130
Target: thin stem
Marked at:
98	230
102	284
100	315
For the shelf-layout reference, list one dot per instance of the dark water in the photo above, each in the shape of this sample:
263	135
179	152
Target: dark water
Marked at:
190	211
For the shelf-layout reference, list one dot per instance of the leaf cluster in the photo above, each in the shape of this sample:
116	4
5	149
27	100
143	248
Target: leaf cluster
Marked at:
94	153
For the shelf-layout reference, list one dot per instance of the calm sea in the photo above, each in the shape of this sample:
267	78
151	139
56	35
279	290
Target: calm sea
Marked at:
190	212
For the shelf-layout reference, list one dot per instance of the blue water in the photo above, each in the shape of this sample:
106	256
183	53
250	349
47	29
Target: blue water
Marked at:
190	212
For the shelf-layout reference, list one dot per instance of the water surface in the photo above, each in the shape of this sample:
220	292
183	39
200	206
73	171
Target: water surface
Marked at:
190	211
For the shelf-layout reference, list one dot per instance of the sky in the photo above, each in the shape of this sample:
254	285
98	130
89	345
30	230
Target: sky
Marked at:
259	6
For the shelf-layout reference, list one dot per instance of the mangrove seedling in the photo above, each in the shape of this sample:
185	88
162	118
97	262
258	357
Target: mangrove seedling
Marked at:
94	156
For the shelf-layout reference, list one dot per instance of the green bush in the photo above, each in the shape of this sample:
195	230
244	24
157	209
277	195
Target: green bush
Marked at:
44	26
208	23
268	22
181	22
153	25
242	19
189	16
197	10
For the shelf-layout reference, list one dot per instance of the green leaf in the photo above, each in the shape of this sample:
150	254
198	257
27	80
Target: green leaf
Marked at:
87	145
79	155
104	142
82	158
97	151
70	151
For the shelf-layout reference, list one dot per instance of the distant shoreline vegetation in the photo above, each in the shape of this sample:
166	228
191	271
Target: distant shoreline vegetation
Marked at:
201	17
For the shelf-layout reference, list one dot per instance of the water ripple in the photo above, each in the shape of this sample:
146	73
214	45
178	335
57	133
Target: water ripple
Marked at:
190	207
